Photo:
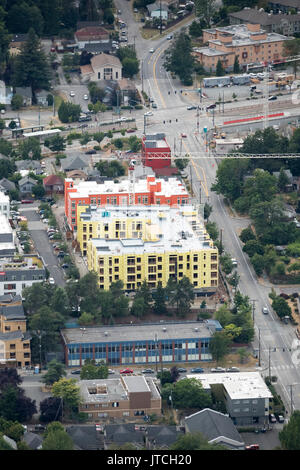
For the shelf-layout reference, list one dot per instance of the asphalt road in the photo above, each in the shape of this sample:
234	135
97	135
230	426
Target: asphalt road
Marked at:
38	233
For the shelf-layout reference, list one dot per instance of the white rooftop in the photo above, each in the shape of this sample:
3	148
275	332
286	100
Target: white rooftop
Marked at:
4	199
5	226
168	228
169	187
238	385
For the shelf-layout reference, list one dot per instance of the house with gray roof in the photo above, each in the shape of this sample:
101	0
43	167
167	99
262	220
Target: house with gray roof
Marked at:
6	185
120	434
26	93
41	97
34	441
85	437
162	437
29	165
216	427
73	163
157	10
26	184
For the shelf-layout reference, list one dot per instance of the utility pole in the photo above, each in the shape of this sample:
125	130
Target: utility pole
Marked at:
198	123
160	16
291	394
253	308
259	347
270	362
142	72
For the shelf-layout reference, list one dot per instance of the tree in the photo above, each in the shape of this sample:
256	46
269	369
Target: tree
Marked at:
50	409
30	149
290	435
68	391
194	441
159	297
220	71
179	59
236	65
130	67
58	440
91	371
189	393
281	307
9	376
15	406
283	180
205	10
247	234
69	112
31	65
207	211
38	191
195	29
219	345
16	103
182	296
229	178
56	370
22	16
55	143
252	247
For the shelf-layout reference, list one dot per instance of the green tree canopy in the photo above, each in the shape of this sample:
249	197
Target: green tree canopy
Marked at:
290	435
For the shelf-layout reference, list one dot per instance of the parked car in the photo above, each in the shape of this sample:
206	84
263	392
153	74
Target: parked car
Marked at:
252	447
280	419
183	136
181	369
154	105
26	201
85	97
147	371
126	371
197	370
272	98
90	152
51	280
265	310
149	113
75	372
218	369
65	266
110	371
272	418
151	50
169	37
191	107
232	369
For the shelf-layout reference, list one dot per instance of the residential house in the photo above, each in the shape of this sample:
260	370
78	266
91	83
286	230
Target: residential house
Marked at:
16	43
98	48
85	437
128	92
120	434
6	186
4	205
91	35
161	437
158	10
285	23
26	184
102	67
29	165
33	440
26	93
42	97
73	163
6	93
53	184
216	427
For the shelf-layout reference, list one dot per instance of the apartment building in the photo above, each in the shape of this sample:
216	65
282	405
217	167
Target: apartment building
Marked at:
283	23
248	42
152	343
148	191
156	153
14	340
123	397
20	272
245	395
284	6
168	243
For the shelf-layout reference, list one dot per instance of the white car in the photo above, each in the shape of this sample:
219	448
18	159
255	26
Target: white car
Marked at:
51	280
85	97
72	93
151	50
149	113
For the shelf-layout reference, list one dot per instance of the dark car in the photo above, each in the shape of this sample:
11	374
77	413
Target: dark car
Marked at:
191	107
181	369
65	266
272	98
90	152
75	372
211	106
197	370
147	371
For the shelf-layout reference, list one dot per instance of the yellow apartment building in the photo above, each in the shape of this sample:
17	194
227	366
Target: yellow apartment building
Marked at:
163	243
